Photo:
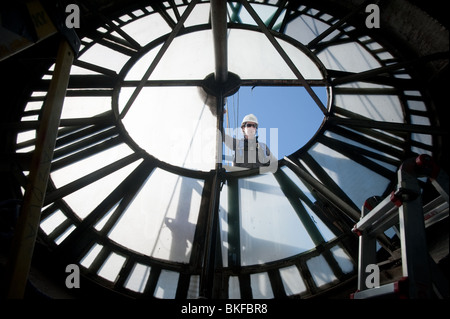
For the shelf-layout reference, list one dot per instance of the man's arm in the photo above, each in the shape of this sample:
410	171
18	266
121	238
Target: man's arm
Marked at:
271	162
229	141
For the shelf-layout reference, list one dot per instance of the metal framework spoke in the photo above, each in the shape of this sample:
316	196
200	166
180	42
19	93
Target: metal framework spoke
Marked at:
158	57
387	126
284	55
367	75
313	43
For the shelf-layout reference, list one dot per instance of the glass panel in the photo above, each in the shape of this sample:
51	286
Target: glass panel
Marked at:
97	53
89	164
111	267
102	222
363	146
35	105
173	124
234	292
84	107
199	15
261	288
421	138
194	63
252	56
87	260
357	181
64	235
349	57
326	233
292	280
270	228
84	200
49	224
138	70
77	70
343	259
303	63
167	284
162	217
138	277
264	12
87	198
375	107
320	271
305	29
194	287
24	137
147	28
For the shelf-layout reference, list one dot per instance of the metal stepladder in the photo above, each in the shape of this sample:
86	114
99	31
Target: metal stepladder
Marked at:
404	209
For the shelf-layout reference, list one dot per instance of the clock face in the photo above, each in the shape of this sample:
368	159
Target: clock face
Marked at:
133	168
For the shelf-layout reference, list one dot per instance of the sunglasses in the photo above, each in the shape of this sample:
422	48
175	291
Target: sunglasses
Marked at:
250	125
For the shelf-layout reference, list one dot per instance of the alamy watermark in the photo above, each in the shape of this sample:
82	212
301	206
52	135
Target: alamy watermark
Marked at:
373	19
73	17
373	276
73	279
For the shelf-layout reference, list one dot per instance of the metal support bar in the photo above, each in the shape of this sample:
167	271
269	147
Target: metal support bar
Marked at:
386	126
335	200
338	24
234	236
440	182
365	75
284	55
219	28
28	224
379	214
209	258
293	194
158	57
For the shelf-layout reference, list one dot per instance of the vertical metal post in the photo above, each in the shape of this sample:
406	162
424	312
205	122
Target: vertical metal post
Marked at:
219	28
234	235
366	252
27	226
209	260
413	238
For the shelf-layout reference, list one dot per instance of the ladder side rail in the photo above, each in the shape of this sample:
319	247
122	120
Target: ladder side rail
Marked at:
414	250
386	207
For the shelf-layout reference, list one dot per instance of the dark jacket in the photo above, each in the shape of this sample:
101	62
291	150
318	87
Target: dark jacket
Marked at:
250	153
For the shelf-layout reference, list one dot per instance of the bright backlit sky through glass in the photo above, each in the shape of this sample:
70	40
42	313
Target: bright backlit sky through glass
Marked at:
290	110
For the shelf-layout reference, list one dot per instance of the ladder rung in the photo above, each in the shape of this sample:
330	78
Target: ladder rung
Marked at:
398	289
435	211
383	212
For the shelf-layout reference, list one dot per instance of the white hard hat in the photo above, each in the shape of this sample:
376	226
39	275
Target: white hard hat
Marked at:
249	118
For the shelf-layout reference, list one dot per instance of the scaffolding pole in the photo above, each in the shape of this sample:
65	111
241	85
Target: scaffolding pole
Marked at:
27	227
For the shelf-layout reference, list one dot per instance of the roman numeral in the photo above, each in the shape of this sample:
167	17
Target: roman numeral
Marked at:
75	246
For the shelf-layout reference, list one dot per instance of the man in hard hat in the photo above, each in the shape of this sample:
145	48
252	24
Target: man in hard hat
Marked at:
249	153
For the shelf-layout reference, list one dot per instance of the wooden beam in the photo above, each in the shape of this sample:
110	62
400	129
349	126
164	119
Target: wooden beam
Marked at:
27	226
